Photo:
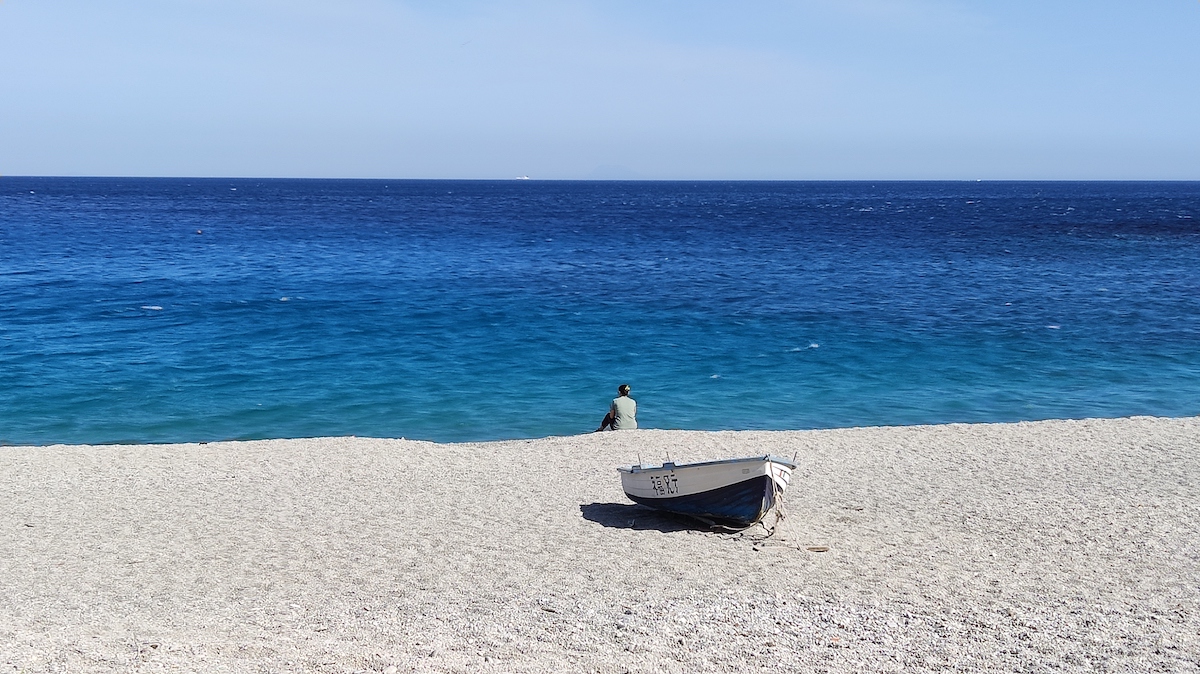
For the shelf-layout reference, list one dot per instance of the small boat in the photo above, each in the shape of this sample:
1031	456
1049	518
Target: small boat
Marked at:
730	492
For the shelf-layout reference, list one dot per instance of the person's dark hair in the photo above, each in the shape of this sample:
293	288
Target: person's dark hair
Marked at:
623	389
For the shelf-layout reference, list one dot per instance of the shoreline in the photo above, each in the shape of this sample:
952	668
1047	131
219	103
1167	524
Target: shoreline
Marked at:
1065	543
584	433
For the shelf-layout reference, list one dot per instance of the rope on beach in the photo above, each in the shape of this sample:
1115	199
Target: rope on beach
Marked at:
777	508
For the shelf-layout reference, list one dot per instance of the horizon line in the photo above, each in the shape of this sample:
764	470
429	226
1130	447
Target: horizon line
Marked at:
522	179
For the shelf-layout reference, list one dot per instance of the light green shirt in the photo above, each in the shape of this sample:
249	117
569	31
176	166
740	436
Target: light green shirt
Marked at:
624	411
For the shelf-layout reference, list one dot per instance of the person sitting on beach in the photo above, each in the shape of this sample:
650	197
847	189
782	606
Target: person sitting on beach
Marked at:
622	414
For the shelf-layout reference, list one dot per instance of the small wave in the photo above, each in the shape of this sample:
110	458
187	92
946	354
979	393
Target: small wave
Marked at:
152	307
715	376
1054	327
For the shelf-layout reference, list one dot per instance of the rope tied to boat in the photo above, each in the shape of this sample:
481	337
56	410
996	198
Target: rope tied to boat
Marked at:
776	508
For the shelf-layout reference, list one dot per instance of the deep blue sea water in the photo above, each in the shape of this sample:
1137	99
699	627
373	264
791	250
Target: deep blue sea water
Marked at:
146	310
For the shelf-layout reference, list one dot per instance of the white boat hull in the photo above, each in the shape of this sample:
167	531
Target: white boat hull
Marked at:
735	492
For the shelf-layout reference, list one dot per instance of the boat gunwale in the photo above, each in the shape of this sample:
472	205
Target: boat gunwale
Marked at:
768	458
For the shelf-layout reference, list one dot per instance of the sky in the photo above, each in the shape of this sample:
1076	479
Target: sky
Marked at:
603	89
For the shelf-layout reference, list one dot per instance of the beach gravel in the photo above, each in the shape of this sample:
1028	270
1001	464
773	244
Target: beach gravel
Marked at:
1054	546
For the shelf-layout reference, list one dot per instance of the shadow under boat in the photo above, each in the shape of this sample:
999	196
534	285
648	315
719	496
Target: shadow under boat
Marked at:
639	518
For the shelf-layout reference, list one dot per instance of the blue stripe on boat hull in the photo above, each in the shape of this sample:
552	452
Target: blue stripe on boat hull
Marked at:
740	504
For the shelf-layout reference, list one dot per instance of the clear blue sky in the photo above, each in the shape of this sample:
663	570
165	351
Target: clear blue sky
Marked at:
801	89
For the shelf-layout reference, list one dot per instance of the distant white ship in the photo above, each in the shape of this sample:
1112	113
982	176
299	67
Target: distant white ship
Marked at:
522	178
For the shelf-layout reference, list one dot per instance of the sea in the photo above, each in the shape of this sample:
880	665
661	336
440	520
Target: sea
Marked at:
187	310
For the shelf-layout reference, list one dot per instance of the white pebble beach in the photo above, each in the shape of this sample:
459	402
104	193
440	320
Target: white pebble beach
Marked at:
1040	546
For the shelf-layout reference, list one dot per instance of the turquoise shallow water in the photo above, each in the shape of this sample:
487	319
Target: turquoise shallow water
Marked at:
146	310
